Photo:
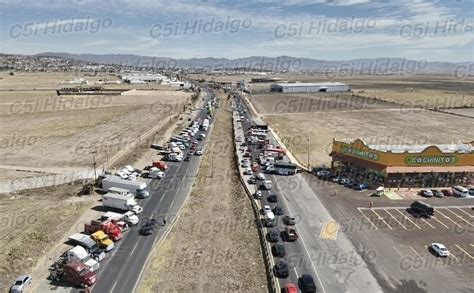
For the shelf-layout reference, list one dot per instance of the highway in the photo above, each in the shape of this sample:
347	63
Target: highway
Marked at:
122	269
310	254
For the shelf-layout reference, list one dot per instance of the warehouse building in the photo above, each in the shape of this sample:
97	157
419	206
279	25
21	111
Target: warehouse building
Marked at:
405	165
309	87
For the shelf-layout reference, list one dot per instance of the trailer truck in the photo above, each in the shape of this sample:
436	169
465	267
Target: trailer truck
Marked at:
74	272
121	202
88	244
108	227
78	253
128	217
139	189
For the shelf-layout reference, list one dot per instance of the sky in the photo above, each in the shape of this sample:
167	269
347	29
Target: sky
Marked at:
319	29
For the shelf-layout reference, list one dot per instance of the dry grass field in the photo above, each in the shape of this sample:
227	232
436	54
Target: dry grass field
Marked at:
57	133
382	111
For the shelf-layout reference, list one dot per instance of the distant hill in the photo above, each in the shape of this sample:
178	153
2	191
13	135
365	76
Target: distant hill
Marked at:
282	63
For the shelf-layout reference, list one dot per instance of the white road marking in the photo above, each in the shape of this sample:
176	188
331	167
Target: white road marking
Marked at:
472	257
396	220
113	287
368	219
439	222
470	224
449	219
424	221
409	219
296	273
465	212
396	249
414	250
134	247
382	220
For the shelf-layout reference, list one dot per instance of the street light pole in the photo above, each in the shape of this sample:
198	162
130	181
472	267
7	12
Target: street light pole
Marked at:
93	158
308	150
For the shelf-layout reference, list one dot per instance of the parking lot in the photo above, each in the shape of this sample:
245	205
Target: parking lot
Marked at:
401	241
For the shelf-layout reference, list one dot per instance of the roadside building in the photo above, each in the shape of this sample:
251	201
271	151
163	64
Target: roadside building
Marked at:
309	87
405	165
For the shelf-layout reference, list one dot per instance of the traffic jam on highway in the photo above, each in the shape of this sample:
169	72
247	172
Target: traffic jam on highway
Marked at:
79	265
261	160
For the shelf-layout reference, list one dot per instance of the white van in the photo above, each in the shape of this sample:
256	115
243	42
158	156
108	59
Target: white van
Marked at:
460	191
270	219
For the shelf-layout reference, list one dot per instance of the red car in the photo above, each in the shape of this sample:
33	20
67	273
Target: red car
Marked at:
447	192
290	288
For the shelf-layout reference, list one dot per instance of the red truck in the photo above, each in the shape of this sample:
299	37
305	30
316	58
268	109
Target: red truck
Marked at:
108	227
160	165
74	272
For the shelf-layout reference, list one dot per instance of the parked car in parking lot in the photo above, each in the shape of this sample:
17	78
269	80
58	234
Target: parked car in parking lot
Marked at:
261	176
439	249
343	180
306	283
252	180
247	171
426	193
278	250
447	192
266	209
281	269
273	235
360	186
437	193
258	194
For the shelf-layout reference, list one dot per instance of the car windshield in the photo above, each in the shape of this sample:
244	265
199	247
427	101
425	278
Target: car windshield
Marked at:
443	248
19	282
83	271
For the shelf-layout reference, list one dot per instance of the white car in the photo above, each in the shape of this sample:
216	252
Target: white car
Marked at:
266	209
261	176
199	152
440	249
20	284
258	194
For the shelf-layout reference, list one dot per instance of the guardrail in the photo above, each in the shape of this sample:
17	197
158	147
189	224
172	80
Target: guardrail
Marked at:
267	255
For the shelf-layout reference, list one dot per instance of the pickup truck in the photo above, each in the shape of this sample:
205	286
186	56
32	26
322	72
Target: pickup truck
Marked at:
290	234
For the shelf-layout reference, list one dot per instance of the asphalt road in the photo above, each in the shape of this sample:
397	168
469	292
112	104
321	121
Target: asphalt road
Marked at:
335	265
123	267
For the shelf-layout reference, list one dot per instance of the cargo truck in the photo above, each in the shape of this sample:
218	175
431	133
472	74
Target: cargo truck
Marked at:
88	244
75	273
78	253
121	202
103	240
108	227
139	189
155	173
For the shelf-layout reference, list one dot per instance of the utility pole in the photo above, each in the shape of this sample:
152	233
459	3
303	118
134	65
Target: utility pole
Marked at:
93	159
308	150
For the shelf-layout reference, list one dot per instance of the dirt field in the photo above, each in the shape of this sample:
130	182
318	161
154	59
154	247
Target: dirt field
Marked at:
54	134
213	246
27	231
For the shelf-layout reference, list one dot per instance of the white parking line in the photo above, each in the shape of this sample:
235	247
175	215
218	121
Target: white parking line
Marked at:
424	221
470	224
469	215
472	257
382	219
414	250
396	220
397	251
409	219
449	219
439	222
368	219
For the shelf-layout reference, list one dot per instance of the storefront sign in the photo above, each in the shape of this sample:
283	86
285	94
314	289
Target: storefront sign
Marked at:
431	160
359	153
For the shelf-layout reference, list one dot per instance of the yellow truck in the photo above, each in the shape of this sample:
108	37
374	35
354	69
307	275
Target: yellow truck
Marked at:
103	240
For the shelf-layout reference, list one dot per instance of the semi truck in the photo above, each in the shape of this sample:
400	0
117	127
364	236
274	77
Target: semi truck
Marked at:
108	227
205	125
139	189
121	202
74	272
78	253
128	217
88	244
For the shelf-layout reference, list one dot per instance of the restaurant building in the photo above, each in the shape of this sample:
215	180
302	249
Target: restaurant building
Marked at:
405	165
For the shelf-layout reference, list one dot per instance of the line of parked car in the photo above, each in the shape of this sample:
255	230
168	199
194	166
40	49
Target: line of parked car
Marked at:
327	175
270	217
